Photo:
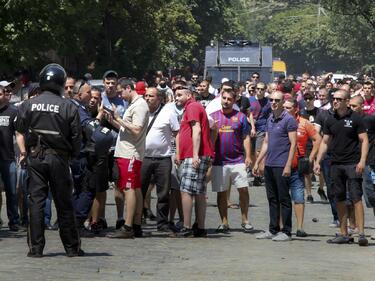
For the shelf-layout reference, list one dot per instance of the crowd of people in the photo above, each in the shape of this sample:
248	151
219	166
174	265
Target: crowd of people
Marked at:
176	135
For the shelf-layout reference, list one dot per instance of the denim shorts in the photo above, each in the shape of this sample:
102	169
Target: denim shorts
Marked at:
297	187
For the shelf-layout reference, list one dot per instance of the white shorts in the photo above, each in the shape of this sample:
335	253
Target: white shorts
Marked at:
223	177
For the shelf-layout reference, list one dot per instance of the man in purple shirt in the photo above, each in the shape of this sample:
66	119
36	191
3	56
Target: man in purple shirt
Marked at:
278	147
229	167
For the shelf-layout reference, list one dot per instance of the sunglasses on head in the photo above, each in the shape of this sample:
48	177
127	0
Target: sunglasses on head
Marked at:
180	88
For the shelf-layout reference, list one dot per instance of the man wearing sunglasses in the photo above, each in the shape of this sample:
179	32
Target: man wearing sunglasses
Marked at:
278	149
255	77
345	134
309	111
260	108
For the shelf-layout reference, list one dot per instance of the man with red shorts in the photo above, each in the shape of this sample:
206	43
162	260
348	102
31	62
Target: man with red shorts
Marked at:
129	152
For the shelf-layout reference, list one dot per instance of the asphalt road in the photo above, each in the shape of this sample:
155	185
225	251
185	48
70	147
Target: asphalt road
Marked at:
237	256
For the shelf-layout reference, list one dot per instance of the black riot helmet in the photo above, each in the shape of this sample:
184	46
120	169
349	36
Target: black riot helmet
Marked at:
52	78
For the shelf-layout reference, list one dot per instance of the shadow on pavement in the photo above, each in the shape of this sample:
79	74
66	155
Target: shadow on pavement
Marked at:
92	254
11	234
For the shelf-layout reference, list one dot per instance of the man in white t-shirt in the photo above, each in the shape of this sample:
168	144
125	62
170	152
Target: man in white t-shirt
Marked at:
129	153
162	126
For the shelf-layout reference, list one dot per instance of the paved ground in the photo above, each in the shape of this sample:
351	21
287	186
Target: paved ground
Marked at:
237	256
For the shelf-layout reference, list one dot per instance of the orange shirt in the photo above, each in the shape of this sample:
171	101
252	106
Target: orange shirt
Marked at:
305	131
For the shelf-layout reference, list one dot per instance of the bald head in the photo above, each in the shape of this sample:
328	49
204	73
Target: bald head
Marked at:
343	93
277	95
356	104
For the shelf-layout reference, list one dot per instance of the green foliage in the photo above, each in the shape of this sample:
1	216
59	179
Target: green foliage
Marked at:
93	35
333	36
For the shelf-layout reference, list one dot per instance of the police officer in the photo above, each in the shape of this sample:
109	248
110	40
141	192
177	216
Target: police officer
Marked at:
51	129
90	169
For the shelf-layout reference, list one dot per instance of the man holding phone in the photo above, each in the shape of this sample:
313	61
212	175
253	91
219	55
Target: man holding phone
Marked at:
110	96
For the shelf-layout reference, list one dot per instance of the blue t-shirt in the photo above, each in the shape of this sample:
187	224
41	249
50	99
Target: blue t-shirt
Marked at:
261	110
121	106
278	138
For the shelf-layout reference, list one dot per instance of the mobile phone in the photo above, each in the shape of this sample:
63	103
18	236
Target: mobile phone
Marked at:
110	111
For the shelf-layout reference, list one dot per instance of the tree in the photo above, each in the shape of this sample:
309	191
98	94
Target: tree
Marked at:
312	37
130	36
365	9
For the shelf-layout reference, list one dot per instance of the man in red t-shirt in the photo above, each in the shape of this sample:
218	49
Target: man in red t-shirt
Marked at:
194	152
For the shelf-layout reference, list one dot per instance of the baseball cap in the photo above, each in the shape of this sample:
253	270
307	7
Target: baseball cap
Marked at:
223	80
140	87
6	84
110	74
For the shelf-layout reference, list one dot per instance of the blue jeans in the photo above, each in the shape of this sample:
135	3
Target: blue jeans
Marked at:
297	187
8	172
326	168
368	188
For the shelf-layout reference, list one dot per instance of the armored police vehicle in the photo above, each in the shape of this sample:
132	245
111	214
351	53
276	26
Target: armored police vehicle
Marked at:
237	60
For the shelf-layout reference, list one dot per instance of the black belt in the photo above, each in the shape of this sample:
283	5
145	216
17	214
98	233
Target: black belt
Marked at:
158	158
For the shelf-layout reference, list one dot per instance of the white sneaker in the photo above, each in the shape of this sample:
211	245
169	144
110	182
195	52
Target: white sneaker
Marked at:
87	224
247	226
265	235
353	231
372	237
334	224
281	237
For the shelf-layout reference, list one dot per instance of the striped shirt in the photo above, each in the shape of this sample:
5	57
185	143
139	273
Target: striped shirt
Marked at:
232	128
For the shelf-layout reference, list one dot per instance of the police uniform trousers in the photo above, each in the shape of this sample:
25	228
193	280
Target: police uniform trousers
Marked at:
50	172
90	175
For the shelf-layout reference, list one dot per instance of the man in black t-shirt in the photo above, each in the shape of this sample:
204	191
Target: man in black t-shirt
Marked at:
8	169
356	104
310	112
346	135
242	101
320	120
204	96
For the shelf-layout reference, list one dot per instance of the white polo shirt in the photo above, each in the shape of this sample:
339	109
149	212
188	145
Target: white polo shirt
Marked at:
158	139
